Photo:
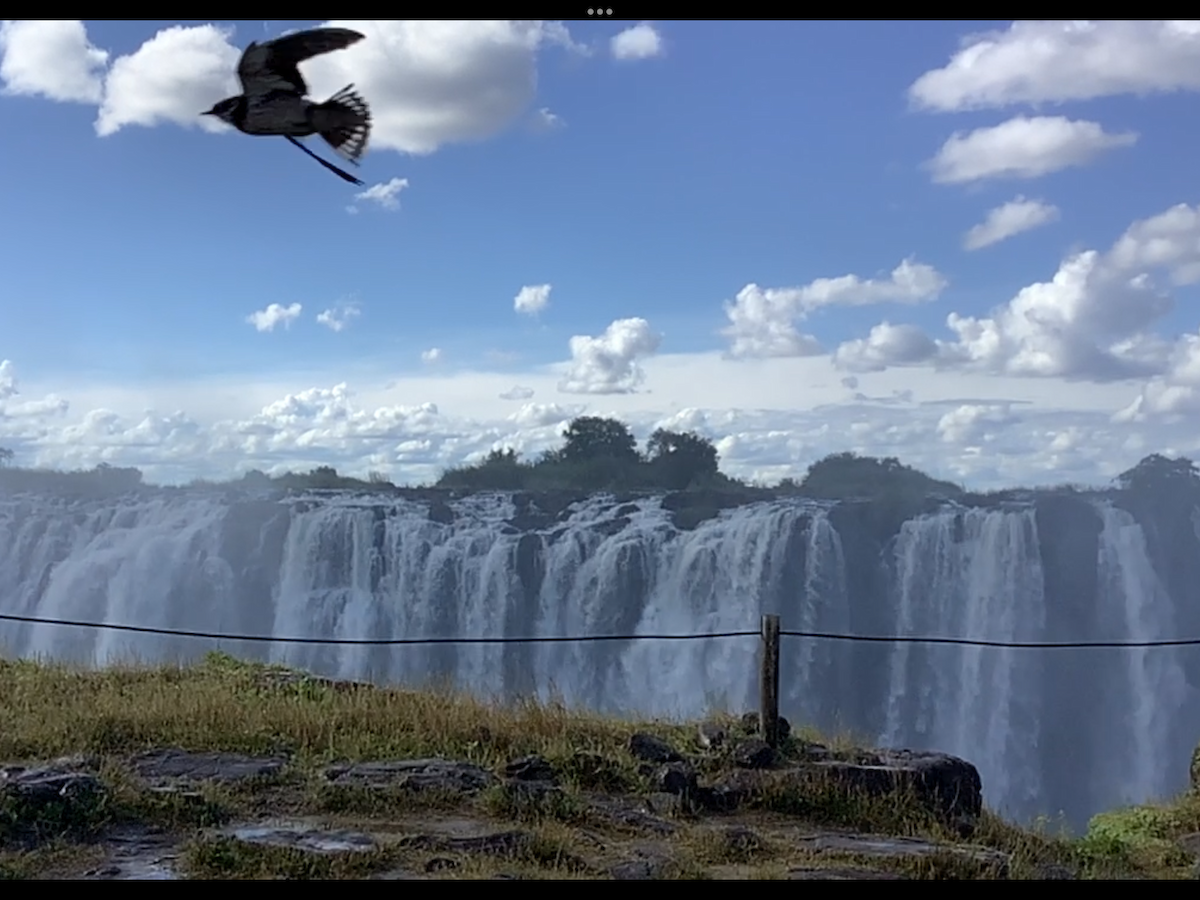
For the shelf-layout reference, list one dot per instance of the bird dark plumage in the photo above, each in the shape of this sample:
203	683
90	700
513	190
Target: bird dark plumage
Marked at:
274	97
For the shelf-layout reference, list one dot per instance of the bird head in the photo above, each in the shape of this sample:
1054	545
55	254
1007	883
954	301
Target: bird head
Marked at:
223	110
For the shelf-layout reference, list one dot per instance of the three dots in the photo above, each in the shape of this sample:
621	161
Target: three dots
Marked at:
599	12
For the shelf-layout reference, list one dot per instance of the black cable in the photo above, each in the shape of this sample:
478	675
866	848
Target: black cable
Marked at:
536	639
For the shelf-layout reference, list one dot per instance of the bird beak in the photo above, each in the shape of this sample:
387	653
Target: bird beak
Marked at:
208	112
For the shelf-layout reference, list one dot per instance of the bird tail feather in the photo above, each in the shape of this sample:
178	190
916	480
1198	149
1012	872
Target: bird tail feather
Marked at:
344	121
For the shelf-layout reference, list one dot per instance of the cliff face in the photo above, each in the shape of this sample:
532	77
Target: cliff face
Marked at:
1073	730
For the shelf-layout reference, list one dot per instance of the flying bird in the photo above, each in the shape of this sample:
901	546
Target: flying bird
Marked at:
274	98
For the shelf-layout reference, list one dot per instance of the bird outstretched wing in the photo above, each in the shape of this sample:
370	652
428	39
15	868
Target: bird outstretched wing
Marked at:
273	65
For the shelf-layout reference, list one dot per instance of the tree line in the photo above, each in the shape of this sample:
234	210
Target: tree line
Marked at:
602	454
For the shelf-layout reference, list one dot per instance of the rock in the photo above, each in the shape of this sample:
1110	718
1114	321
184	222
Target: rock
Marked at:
711	735
676	778
950	787
722	797
652	749
1195	769
497	843
750	725
635	814
302	837
636	870
1054	872
438	863
54	783
753	753
412	775
985	860
530	768
49	800
741	841
662	803
137	853
171	766
841	873
441	513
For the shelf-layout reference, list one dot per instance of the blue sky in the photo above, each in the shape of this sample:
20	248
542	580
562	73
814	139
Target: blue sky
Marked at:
764	231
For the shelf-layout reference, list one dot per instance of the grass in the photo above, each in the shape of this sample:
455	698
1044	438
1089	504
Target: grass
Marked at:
50	711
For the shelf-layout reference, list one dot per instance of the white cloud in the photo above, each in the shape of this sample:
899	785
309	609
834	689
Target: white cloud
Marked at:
762	320
886	345
274	314
386	194
172	77
532	299
537	415
639	42
608	364
517	392
428	82
1036	62
432	355
1092	321
1010	219
974	423
1022	147
8	379
545	120
336	319
51	58
415	426
435	82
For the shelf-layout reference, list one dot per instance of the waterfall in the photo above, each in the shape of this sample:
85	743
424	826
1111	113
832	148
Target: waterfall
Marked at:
1074	730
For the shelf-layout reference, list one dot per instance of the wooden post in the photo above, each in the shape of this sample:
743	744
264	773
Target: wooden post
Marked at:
768	706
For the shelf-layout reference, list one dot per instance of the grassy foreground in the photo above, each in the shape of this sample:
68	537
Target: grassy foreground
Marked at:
48	711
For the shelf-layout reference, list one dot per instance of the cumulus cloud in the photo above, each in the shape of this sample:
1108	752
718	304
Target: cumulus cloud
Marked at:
1008	220
337	318
532	299
435	82
538	415
386	194
762	320
432	355
517	392
428	82
274	314
1036	62
1091	321
608	364
886	345
1023	147
974	423
172	77
639	42
52	59
764	429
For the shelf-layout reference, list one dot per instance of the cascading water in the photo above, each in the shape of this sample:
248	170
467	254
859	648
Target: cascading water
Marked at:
973	574
1049	730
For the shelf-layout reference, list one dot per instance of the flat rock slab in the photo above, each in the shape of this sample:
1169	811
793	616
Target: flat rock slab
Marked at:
60	781
165	767
841	873
497	843
412	774
137	854
879	846
303	837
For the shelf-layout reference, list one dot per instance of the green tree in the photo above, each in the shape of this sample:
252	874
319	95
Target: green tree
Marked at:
844	475
679	459
592	438
1157	472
